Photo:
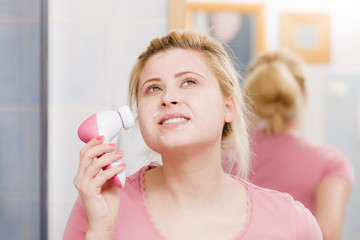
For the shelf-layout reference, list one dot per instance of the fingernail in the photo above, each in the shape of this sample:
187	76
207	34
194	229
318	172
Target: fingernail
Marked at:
119	152
112	144
122	164
100	137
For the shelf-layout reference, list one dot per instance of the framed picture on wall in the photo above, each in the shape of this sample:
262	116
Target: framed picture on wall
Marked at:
307	34
239	26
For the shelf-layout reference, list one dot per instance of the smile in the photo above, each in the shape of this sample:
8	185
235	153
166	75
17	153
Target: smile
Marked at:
174	120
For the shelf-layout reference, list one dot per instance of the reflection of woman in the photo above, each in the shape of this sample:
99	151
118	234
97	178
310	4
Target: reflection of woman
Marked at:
319	176
189	109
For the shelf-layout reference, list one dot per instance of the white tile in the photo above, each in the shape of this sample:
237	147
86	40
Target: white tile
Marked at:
140	8
79	8
78	63
58	214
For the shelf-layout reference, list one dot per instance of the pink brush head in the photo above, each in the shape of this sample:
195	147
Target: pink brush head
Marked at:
89	129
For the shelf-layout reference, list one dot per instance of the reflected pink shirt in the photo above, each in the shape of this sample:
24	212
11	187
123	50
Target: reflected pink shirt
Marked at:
290	164
271	215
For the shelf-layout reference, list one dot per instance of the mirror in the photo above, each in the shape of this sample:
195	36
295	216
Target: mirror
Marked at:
240	26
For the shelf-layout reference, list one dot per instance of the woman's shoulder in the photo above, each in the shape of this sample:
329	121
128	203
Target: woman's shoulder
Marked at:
304	148
334	162
135	182
278	212
265	197
293	140
135	177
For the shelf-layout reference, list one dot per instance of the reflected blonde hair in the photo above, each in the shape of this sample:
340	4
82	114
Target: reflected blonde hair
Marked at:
235	146
275	89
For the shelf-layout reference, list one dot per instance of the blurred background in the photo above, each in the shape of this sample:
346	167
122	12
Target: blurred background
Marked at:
63	60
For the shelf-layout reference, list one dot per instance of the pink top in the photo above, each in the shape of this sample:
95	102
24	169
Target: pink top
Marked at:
271	215
290	164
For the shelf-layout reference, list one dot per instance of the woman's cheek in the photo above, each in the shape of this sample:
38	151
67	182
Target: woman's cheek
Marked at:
147	119
144	128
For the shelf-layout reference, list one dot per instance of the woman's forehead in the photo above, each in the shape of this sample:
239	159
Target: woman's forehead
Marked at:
172	61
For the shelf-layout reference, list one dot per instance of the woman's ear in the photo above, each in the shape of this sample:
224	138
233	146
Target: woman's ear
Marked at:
230	109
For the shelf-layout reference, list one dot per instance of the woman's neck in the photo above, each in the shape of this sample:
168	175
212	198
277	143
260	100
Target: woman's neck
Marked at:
290	128
191	193
194	176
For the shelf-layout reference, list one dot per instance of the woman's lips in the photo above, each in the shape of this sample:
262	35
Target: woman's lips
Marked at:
173	118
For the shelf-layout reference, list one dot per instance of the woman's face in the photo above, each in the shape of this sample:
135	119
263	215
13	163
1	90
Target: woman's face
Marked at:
180	104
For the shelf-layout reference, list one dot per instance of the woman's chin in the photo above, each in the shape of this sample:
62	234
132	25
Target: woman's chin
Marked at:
173	147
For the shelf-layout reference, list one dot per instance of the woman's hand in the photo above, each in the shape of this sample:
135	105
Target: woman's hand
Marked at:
100	197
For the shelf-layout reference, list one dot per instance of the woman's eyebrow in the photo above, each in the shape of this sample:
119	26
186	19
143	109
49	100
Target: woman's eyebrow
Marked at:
186	72
156	79
150	80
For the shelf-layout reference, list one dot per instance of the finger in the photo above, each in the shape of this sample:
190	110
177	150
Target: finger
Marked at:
95	152
87	186
102	162
83	152
107	174
88	156
99	150
93	142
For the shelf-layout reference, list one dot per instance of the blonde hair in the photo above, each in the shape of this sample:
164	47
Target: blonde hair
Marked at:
275	89
235	144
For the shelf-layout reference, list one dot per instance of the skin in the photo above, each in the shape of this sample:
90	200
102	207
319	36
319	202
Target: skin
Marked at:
331	197
190	94
190	189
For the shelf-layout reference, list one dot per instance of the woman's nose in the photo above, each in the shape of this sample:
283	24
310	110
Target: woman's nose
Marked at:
169	99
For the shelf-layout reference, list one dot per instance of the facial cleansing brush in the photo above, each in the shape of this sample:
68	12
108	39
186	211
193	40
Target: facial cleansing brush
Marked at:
109	125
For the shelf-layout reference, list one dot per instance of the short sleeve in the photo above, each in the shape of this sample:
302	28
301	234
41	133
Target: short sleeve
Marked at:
337	165
77	224
306	224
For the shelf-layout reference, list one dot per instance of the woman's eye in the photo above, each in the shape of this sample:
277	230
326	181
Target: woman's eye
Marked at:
153	89
188	82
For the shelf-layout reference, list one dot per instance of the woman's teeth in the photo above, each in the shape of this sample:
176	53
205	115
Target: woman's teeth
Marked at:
174	120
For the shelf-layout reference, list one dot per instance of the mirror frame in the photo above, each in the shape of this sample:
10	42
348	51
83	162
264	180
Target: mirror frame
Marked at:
180	15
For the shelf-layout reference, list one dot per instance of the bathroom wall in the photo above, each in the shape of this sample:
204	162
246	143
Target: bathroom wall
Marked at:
20	29
92	47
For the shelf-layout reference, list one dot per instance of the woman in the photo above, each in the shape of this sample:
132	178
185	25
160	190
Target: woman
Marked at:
319	176
189	110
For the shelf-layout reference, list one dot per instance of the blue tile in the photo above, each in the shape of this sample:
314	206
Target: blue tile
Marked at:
341	130
32	220
11	63
33	9
12	170
12	8
32	64
11	219
352	217
32	153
